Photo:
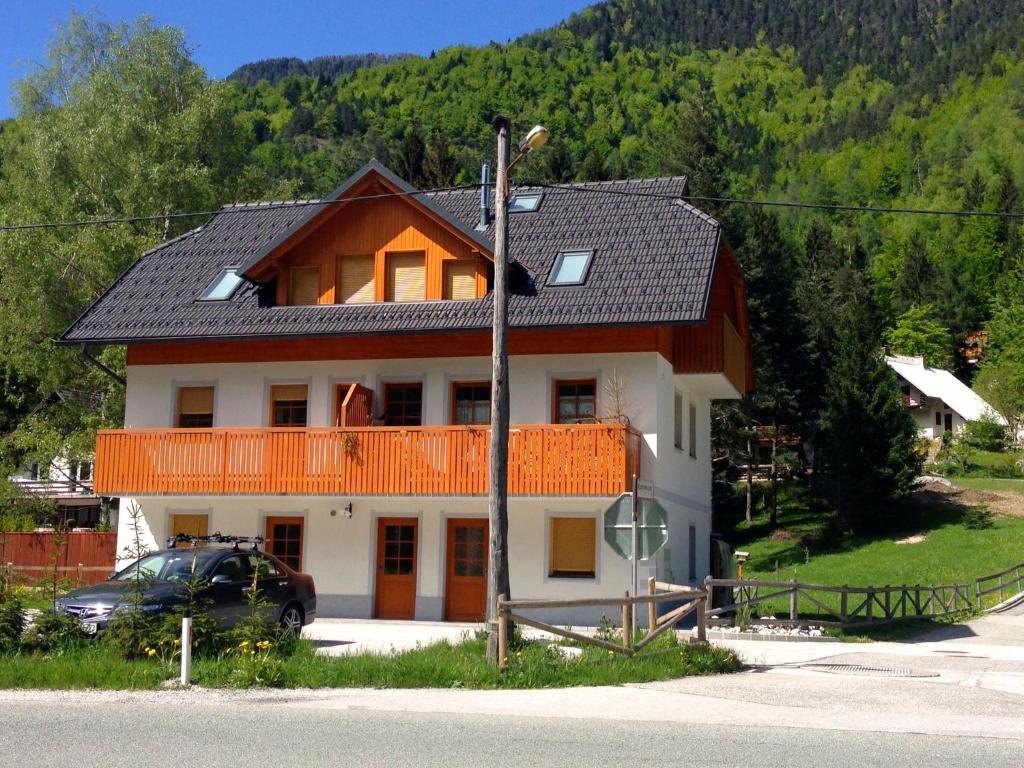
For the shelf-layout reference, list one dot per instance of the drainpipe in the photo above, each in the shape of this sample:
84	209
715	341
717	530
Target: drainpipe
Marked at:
116	377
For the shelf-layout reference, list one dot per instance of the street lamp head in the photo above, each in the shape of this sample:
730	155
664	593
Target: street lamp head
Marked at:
535	139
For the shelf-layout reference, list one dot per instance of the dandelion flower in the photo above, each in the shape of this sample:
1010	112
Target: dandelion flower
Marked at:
519	653
151	652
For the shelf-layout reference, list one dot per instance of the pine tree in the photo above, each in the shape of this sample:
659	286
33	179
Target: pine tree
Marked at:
868	439
409	157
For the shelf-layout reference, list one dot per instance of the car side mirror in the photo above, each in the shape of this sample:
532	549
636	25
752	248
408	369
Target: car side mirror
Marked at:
220	578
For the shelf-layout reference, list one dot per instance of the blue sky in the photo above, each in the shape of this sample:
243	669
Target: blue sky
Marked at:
225	34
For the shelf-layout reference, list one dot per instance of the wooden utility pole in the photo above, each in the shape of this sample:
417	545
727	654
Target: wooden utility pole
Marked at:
497	498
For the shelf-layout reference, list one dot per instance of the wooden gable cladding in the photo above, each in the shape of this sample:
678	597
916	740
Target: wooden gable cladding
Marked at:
345	238
728	299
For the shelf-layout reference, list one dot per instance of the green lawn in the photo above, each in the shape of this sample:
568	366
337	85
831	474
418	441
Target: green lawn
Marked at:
443	665
990	484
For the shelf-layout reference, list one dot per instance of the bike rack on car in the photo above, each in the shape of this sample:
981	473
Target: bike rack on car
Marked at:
214	538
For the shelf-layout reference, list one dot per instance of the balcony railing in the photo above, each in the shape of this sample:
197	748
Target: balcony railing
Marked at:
544	460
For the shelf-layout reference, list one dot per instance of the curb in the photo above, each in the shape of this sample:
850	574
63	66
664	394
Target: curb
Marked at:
761	637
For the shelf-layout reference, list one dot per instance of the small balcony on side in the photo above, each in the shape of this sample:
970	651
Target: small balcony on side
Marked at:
544	460
714	357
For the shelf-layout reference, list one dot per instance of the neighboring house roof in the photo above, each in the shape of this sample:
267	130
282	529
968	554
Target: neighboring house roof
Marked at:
944	386
654	260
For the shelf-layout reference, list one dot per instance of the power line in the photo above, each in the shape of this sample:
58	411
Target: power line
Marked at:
577	189
236	208
783	203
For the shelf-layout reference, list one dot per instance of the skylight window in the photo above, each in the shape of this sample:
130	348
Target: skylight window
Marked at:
223	287
571	268
524	203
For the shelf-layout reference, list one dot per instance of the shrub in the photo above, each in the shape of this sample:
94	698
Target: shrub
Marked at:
978	518
54	632
12	624
131	633
985	434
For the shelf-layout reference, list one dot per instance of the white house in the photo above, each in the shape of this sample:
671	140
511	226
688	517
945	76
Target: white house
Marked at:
68	485
939	402
318	373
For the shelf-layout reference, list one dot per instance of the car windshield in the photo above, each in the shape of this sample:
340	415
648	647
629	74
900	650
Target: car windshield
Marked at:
168	566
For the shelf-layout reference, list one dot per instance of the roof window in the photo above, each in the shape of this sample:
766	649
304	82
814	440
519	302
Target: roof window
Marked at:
223	287
524	203
570	268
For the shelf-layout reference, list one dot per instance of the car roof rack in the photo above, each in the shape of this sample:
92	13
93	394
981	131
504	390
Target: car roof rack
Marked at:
214	538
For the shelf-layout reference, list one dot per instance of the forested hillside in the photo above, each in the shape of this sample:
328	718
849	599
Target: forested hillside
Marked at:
329	67
916	104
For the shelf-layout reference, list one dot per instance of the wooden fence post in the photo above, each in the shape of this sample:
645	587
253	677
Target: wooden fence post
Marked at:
652	609
844	600
626	623
793	613
499	613
702	623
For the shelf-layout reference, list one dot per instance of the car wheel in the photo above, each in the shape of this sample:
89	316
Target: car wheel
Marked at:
291	620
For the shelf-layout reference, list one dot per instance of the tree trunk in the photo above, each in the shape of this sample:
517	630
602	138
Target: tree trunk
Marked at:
497	500
773	518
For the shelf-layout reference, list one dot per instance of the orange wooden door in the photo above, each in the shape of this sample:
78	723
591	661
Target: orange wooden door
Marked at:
284	540
465	584
395	591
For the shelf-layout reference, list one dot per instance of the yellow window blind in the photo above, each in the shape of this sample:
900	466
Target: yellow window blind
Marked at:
573	542
288	392
304	287
356	283
460	280
406	277
195	400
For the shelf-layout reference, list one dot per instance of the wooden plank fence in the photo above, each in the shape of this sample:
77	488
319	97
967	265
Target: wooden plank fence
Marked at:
84	558
1006	584
693	600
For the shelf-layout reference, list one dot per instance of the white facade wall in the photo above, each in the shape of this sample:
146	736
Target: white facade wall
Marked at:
340	551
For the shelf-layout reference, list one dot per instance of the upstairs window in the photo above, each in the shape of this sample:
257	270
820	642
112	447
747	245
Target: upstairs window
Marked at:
288	405
406	276
403	404
693	431
194	408
356	280
304	286
678	412
571	268
459	280
471	403
223	287
524	203
575	401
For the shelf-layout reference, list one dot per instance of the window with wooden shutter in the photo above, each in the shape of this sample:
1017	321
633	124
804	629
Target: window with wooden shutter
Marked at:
573	547
356	284
288	405
406	274
195	408
304	286
459	280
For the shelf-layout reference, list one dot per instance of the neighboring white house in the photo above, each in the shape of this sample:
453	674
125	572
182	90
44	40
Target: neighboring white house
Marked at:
938	400
68	484
319	374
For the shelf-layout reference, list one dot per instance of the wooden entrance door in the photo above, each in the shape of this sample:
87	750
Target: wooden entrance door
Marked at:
465	584
190	525
284	540
395	590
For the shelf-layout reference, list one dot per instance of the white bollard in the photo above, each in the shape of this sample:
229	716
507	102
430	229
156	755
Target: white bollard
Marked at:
186	649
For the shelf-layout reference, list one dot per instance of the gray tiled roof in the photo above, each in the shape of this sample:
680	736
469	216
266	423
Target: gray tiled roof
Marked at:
653	264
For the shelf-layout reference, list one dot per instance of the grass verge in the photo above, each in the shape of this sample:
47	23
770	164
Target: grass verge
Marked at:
442	665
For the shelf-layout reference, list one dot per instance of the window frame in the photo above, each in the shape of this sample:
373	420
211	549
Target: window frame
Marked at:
291	284
272	417
231	270
391	386
551	571
179	389
536	207
556	383
453	402
677	417
284	519
557	266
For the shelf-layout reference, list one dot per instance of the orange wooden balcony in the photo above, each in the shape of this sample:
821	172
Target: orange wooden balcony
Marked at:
544	460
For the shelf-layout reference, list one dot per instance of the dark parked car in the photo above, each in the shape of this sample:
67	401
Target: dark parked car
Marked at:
227	572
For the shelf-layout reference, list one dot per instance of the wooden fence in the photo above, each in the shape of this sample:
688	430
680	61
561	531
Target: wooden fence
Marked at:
657	593
843	606
1006	584
82	558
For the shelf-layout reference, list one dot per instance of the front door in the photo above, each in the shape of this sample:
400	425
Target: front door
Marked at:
190	525
465	584
284	540
948	422
395	591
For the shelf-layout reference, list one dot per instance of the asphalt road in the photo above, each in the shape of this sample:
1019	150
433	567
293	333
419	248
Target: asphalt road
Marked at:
261	732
